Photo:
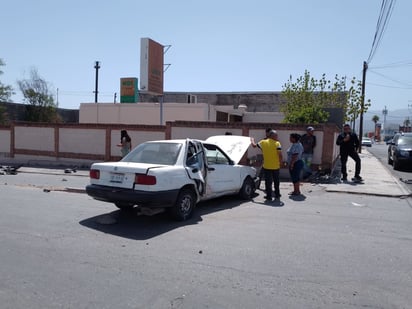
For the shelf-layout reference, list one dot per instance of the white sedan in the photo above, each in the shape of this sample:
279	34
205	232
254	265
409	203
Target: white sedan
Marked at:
175	174
366	141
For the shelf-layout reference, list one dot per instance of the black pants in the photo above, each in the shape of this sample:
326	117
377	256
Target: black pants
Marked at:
344	158
272	176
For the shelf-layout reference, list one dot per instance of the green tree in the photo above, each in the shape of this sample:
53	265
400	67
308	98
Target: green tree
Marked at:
6	91
40	103
3	116
375	119
306	98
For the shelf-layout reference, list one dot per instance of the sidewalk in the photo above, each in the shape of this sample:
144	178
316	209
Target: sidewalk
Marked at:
377	179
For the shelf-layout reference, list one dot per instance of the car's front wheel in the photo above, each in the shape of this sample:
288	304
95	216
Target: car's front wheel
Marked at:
185	203
389	158
248	189
396	164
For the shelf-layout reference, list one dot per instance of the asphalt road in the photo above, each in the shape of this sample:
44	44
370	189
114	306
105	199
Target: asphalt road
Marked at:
324	250
380	151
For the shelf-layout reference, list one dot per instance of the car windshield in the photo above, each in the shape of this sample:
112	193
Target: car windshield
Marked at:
405	140
154	153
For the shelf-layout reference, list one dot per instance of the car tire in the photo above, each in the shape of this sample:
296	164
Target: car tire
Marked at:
185	203
124	205
389	159
396	164
248	189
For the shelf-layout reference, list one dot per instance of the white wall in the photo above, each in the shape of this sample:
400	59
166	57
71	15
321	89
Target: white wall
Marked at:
201	133
90	141
137	138
34	138
141	113
5	142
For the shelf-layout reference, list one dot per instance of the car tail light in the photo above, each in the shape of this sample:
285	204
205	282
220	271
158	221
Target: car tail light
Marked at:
94	174
143	179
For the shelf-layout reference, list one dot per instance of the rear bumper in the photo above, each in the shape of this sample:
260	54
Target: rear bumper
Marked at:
142	198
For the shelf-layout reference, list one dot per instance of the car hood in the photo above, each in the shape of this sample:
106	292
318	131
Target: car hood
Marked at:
234	146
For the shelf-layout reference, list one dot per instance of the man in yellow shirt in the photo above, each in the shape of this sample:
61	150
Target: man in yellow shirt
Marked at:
272	159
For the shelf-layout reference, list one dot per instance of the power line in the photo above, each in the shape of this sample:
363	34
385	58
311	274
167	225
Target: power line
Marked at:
391	79
387	86
384	16
405	63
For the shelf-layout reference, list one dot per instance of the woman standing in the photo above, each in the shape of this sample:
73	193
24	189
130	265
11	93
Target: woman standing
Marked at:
295	162
125	143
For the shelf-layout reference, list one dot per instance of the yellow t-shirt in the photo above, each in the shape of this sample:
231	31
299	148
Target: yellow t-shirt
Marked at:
270	150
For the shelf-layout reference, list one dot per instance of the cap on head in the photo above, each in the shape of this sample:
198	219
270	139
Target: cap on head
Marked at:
273	133
310	129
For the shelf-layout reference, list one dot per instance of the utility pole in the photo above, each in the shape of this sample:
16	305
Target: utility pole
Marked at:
96	89
365	67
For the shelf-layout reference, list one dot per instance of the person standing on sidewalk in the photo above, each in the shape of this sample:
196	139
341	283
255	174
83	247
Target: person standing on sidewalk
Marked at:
272	158
125	143
308	142
295	162
349	144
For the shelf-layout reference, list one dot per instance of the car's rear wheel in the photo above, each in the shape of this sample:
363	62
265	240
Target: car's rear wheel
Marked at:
124	205
248	188
185	203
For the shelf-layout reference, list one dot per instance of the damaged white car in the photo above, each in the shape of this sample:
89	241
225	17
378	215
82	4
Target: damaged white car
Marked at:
175	175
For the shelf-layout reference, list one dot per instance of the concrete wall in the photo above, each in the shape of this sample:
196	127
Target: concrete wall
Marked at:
5	142
87	143
142	113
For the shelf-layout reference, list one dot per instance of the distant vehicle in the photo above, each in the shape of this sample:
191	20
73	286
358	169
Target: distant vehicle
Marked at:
366	141
175	175
400	150
388	139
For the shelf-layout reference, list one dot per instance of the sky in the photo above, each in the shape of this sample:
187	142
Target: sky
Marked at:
216	45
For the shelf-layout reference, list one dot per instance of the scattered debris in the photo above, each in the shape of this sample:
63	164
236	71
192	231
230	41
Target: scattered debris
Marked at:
358	205
71	170
200	251
9	170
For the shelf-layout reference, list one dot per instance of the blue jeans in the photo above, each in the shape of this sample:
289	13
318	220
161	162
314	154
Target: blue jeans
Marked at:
272	176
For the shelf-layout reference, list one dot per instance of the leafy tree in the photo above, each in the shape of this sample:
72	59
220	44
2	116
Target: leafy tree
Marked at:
6	91
41	106
375	119
3	116
306	99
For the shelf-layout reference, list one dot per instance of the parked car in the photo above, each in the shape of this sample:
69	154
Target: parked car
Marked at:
175	175
400	150
366	141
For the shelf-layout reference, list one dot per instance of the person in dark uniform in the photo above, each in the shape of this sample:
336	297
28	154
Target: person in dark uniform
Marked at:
349	144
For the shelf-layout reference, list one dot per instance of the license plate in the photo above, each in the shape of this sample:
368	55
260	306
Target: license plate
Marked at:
116	177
